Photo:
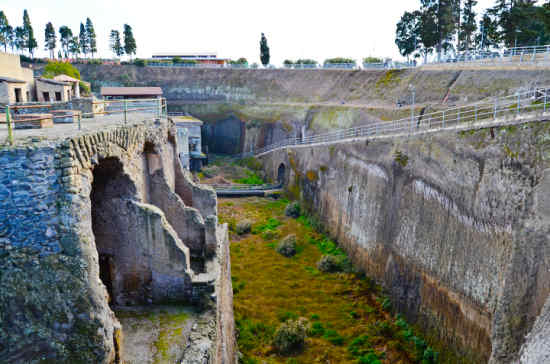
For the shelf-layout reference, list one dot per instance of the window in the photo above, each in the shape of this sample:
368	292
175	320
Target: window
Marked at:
46	96
18	95
58	96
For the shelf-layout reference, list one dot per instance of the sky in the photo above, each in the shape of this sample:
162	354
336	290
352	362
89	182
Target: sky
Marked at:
232	29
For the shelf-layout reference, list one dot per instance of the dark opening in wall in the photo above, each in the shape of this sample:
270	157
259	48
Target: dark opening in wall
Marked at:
111	189
281	174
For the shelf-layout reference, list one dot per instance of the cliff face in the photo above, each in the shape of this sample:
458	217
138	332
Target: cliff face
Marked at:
245	109
454	226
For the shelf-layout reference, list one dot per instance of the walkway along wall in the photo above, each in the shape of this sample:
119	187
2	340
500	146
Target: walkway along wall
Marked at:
454	225
100	218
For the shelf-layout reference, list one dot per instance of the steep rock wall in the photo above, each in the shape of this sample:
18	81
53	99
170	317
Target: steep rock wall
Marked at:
275	104
454	226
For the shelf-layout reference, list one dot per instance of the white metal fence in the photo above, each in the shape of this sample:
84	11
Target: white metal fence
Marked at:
24	116
518	108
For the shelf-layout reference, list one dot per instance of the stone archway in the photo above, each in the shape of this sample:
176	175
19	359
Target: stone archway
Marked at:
111	192
281	174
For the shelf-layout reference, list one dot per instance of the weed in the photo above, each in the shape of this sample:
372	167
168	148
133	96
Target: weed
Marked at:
333	337
317	329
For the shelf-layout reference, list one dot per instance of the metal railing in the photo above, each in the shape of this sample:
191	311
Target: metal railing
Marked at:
513	109
244	187
101	110
529	54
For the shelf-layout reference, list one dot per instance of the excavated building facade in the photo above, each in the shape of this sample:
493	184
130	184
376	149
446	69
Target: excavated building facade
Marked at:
99	220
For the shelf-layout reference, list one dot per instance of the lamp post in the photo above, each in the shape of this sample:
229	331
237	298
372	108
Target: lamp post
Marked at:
413	95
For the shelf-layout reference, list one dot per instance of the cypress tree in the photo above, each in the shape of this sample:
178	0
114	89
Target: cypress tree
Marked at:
116	45
130	46
66	35
74	47
4	30
264	51
50	39
90	32
30	43
468	26
83	40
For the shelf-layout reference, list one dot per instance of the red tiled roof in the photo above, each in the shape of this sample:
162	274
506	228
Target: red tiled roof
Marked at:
131	91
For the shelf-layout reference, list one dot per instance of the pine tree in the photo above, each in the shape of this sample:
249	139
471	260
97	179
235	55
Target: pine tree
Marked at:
438	17
90	32
74	47
130	46
116	45
30	42
66	35
10	37
50	39
83	39
20	40
264	51
468	26
4	28
407	35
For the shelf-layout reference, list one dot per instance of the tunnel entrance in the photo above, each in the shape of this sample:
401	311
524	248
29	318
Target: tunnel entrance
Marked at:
281	174
111	188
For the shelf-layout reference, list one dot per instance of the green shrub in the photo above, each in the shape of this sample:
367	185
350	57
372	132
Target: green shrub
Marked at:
243	227
372	60
270	235
140	62
317	329
84	88
332	263
339	60
333	337
293	210
290	336
314	317
55	68
287	246
360	346
251	179
370	358
253	334
284	316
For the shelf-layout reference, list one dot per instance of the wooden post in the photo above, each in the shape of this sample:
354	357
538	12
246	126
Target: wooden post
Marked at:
8	121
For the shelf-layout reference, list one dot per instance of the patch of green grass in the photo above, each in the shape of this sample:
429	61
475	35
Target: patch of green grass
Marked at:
333	337
253	334
251	179
271	224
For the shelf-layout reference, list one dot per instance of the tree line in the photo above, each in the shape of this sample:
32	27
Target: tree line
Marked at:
22	39
452	26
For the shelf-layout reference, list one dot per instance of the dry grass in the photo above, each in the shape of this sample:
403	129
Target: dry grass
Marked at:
270	288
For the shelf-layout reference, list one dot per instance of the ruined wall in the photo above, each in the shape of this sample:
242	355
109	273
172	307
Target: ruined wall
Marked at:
454	226
68	209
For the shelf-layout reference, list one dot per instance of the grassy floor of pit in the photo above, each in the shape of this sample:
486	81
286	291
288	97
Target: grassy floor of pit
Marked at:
349	315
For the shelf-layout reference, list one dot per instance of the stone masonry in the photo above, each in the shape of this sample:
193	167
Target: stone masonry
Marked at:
99	217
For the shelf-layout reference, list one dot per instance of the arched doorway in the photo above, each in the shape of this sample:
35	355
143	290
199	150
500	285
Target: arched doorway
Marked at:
111	188
281	174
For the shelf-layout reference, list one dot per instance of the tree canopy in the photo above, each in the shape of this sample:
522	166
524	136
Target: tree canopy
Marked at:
50	39
54	68
444	26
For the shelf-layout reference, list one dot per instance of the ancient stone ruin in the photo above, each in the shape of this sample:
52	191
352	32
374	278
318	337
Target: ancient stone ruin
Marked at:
99	220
